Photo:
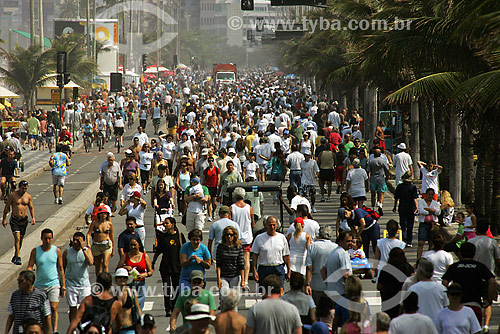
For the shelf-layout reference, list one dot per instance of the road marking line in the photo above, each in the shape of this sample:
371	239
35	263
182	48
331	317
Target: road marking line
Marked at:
148	306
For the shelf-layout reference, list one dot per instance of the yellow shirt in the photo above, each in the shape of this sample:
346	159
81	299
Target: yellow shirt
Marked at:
249	140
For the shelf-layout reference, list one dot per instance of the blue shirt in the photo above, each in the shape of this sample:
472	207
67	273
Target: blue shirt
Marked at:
59	165
360	213
202	252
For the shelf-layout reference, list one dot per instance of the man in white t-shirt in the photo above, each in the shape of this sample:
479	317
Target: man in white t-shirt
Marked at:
270	251
295	199
143	137
410	321
293	161
402	162
430	173
334	117
431	294
310	171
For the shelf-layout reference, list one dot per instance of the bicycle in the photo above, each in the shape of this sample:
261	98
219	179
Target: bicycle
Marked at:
100	140
10	186
130	120
87	143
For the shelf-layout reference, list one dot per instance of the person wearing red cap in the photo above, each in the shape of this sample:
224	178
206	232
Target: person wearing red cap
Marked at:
136	207
101	232
298	247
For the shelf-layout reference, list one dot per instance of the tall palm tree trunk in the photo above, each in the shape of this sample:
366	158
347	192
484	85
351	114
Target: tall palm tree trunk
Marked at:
456	159
32	22
415	136
480	184
468	169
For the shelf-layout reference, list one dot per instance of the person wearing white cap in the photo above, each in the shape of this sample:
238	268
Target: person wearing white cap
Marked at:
231	152
200	319
128	298
402	162
310	172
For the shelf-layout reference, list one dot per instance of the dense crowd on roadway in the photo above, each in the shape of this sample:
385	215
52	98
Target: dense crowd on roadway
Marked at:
209	142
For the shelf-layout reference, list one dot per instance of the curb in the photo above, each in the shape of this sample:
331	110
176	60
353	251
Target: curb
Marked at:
58	222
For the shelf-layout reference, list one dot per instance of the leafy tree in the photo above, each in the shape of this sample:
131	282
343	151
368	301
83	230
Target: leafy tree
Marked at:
26	69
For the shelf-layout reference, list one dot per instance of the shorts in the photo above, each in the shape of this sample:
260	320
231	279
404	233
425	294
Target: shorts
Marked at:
49	139
144	176
308	190
327	175
338	173
118	131
380	188
102	248
212	191
33	137
262	168
75	294
381	144
247	248
24	135
424	231
156	121
58	180
110	191
52	293
172	131
18	224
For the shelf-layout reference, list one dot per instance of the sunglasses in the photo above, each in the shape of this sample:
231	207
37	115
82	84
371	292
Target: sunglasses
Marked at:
230	234
183	165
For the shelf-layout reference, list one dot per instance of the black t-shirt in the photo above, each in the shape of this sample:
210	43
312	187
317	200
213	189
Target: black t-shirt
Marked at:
472	275
393	285
124	240
172	120
169	245
406	193
8	167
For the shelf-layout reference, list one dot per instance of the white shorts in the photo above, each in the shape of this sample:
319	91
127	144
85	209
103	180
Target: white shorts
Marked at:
52	293
195	221
75	294
58	180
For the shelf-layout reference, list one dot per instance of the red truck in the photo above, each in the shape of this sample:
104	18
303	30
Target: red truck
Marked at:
225	73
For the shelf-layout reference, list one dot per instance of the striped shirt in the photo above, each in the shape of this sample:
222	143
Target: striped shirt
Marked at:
230	260
21	303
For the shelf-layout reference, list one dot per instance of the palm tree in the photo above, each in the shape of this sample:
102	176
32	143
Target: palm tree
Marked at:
27	69
78	65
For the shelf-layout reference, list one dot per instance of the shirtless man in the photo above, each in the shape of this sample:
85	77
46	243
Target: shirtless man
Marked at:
136	148
20	201
379	134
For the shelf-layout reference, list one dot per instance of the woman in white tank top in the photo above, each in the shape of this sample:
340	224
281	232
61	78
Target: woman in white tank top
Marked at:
299	243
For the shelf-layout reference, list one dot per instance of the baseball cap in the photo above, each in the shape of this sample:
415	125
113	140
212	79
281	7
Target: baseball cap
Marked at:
307	152
224	209
128	151
195	179
319	327
231	150
286	131
204	151
121	272
299	220
23	183
135	194
196	274
147	320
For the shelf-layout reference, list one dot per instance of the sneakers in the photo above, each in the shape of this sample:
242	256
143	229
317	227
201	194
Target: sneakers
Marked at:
380	211
322	199
60	201
313	210
210	219
409	245
56	200
16	260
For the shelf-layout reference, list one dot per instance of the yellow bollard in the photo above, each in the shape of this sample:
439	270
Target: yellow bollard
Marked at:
400	233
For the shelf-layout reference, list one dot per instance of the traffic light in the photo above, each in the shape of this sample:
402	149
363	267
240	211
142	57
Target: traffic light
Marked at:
61	62
144	58
175	61
247	4
67	78
60	83
116	82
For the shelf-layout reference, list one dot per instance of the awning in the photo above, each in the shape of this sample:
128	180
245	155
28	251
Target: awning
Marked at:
7	94
52	83
46	41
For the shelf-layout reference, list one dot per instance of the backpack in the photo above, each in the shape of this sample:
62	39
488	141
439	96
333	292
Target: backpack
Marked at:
371	212
99	312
